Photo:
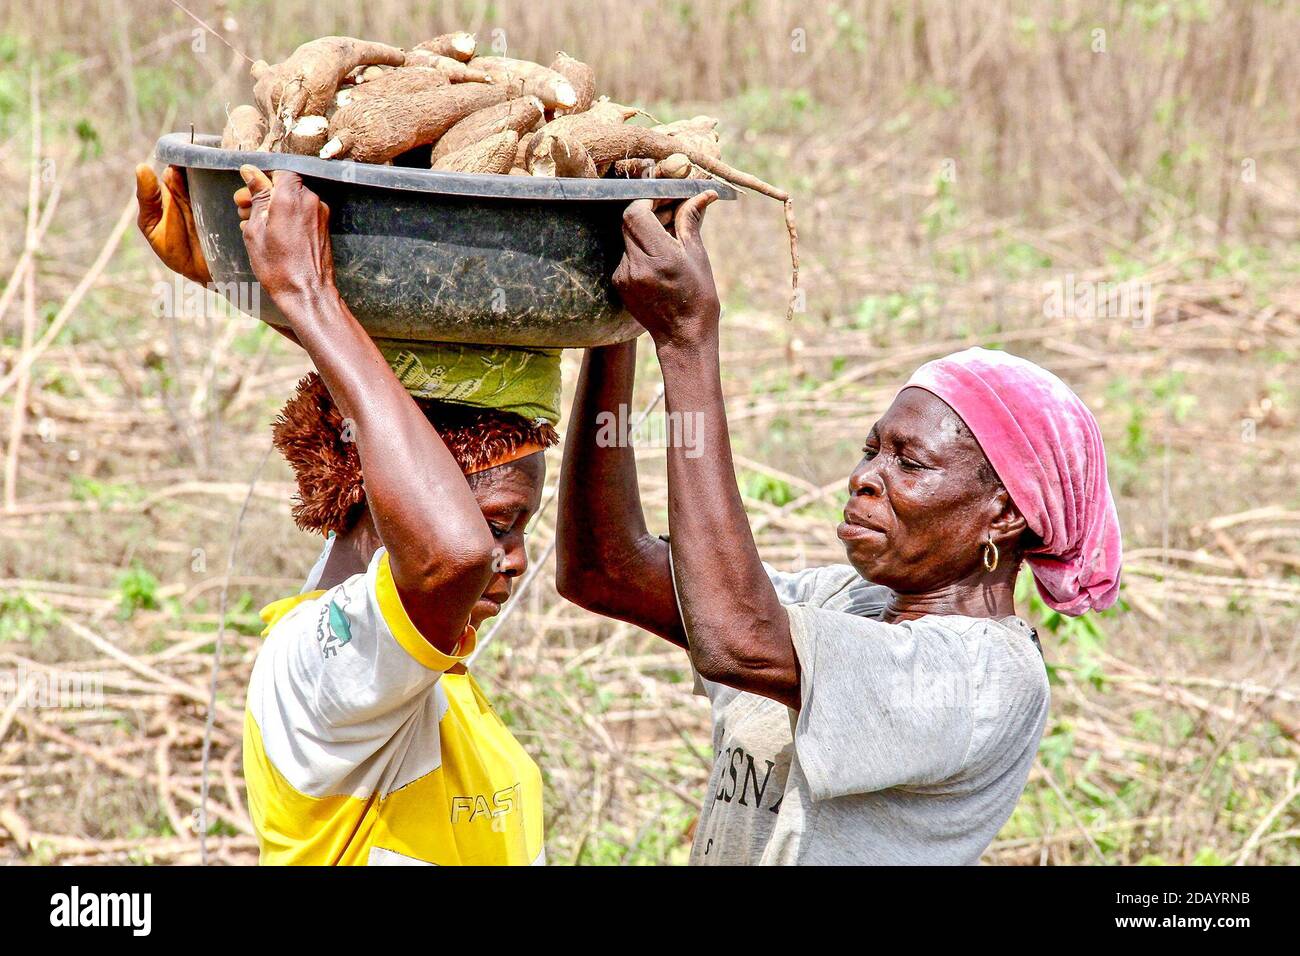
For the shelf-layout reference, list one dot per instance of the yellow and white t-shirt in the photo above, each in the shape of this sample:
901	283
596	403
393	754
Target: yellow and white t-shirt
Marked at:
361	748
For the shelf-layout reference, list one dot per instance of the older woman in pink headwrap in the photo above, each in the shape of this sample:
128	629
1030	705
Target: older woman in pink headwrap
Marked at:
886	710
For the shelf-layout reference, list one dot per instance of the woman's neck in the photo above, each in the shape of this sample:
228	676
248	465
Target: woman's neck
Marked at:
983	594
351	552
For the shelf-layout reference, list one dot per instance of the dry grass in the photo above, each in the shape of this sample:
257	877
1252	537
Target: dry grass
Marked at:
951	161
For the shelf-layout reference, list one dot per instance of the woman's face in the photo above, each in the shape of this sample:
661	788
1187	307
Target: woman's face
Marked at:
922	499
508	495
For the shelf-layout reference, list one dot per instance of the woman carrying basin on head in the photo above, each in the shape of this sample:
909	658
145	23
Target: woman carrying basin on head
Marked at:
365	739
886	710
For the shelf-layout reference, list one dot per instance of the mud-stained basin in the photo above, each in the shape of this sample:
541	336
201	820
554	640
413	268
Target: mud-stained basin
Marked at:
446	257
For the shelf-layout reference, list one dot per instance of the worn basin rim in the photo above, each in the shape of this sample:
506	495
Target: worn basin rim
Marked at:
176	149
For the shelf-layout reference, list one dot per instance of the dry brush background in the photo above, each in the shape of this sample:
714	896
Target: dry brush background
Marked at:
953	164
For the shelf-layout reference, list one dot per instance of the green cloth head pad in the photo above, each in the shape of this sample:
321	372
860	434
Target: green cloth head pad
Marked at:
520	380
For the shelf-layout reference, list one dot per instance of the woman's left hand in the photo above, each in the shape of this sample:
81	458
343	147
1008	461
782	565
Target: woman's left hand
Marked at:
664	277
286	231
166	219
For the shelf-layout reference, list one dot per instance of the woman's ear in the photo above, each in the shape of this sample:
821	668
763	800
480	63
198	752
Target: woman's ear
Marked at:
1009	523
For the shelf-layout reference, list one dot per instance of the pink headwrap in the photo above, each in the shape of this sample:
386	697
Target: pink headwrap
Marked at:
1046	448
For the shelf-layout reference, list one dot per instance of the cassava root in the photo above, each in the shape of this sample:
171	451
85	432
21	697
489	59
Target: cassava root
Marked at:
345	98
529	79
375	130
519	116
492	154
394	83
581	77
245	128
305	83
458	46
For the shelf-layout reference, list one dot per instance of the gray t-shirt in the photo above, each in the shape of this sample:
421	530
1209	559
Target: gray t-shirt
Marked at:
912	745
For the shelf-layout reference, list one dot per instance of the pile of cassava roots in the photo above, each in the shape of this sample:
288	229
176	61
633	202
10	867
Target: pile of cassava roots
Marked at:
348	99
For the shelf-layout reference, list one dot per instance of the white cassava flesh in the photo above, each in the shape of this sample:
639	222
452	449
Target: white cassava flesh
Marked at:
307	135
581	77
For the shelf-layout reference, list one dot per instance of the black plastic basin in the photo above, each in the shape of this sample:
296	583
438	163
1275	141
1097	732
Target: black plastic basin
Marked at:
445	257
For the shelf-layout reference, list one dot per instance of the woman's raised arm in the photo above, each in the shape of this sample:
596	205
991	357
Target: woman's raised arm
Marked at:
606	560
441	550
738	630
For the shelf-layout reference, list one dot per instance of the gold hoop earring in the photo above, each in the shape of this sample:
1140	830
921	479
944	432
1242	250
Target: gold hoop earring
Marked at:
990	548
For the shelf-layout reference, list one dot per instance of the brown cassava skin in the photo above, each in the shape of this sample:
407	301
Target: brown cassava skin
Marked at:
581	77
696	142
700	124
697	133
458	46
558	155
634	168
521	151
398	82
601	113
493	154
529	79
676	166
266	89
608	143
306	82
514	115
375	130
679	166
368	74
456	71
266	84
606	111
245	128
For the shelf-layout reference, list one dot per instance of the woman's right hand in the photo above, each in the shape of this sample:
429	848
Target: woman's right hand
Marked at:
167	221
664	277
286	232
